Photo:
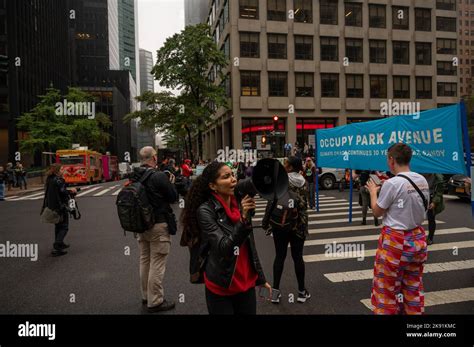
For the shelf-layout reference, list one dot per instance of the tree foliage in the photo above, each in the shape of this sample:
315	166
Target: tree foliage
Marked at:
47	130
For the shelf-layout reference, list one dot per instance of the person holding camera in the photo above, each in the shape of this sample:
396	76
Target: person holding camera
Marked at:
155	243
227	260
437	186
56	198
287	220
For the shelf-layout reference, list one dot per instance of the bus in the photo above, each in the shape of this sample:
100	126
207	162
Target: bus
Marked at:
80	166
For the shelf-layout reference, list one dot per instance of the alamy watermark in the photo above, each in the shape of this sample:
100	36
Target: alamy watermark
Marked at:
37	330
400	108
236	155
14	250
345	250
68	108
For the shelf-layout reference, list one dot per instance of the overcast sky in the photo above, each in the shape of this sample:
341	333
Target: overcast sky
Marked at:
158	20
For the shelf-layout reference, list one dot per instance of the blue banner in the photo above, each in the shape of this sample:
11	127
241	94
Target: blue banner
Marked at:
434	135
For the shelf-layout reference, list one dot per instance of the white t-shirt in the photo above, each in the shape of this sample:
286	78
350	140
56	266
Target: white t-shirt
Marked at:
404	206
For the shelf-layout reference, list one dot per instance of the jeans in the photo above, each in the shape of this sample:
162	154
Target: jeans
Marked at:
60	231
21	181
311	194
242	303
2	191
282	238
365	196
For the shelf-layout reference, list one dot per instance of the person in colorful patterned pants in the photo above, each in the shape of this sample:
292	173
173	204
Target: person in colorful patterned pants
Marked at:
397	287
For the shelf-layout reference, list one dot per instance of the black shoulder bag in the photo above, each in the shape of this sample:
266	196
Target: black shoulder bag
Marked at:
425	202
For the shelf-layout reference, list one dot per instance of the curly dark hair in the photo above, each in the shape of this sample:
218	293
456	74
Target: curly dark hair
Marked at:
196	196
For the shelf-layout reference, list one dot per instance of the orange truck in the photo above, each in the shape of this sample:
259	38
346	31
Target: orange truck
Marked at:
80	166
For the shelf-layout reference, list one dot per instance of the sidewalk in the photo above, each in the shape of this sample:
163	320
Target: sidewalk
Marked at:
34	184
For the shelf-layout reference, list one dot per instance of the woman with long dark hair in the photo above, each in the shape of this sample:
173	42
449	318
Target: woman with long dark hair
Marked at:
222	234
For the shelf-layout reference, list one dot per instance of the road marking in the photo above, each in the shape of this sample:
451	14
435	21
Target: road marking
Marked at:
441	297
36	197
371	252
451	197
353	228
106	190
348	276
88	191
11	197
311	211
118	191
28	197
376	237
313	214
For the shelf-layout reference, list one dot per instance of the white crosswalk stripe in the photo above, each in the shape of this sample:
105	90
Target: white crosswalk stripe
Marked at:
103	192
429	268
88	191
441	297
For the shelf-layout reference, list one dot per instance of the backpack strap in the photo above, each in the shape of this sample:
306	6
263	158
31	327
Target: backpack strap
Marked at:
146	175
425	202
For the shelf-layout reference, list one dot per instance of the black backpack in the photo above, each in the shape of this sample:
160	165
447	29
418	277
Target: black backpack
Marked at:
285	213
133	207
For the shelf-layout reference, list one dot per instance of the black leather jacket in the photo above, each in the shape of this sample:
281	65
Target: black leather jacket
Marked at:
219	239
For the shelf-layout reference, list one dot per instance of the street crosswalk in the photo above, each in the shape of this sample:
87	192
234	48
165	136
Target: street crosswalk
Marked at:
329	228
86	191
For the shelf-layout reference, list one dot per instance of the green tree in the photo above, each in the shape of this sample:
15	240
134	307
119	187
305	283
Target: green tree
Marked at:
182	64
48	130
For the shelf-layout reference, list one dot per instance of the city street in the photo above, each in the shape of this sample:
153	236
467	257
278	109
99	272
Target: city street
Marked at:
100	276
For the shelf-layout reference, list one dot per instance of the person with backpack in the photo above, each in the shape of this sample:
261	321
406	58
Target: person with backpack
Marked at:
54	209
437	186
220	238
397	286
287	220
3	180
20	175
11	177
156	192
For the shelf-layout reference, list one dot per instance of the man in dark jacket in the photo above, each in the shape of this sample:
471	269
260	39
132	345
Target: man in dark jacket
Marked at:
155	243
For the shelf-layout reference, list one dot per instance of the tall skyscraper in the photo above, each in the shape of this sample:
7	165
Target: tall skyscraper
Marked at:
146	137
34	55
332	63
195	11
128	36
466	47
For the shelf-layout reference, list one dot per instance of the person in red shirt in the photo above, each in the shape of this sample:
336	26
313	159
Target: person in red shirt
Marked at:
186	168
230	267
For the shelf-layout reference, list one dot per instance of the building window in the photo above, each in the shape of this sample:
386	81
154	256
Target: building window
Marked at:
226	47
276	46
447	89
422	19
401	87
400	18
328	12
226	12
304	84
354	50
378	51
276	10
449	5
355	86
353	14
377	16
249	9
446	24
423	53
401	52
250	45
303	47
423	88
378	86
250	83
329	49
303	11
329	85
446	68
446	46
277	84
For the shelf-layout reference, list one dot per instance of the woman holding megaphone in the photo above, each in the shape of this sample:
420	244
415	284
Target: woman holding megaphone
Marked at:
220	238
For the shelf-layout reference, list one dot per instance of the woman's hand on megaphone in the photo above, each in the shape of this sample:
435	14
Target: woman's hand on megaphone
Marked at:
248	204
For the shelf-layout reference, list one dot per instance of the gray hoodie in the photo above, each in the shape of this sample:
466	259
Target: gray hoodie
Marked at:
296	180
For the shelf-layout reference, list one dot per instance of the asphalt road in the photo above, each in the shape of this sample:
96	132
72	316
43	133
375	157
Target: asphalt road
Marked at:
98	276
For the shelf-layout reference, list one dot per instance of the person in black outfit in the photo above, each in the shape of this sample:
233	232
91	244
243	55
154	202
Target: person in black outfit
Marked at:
221	235
56	198
364	194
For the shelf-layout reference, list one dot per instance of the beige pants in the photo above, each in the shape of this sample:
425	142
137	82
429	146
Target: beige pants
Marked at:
154	249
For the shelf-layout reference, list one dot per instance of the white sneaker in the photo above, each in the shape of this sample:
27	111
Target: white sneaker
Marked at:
277	299
303	296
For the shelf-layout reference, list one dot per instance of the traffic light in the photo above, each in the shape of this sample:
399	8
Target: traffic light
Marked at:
275	123
264	140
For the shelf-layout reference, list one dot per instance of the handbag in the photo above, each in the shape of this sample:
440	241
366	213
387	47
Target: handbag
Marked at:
49	216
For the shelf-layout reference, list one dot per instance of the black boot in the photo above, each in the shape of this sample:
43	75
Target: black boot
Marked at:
376	222
364	221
